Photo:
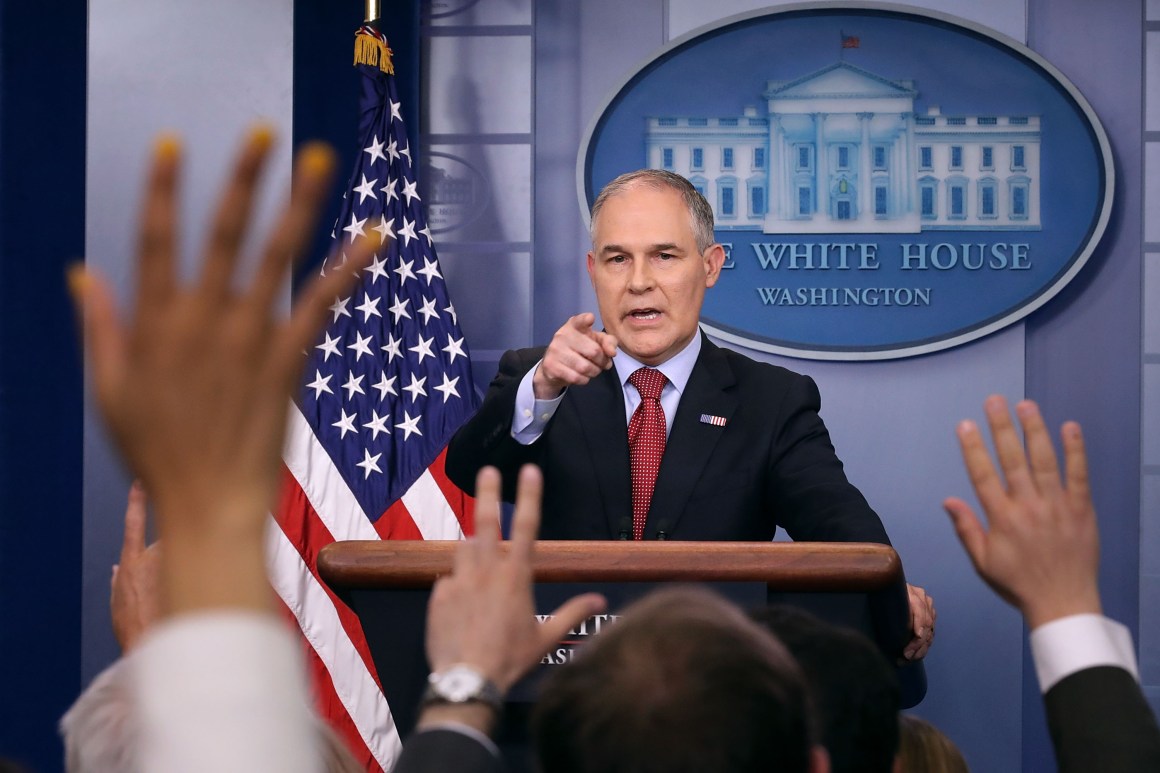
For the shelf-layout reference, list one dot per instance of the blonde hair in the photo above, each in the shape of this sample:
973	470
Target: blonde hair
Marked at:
923	748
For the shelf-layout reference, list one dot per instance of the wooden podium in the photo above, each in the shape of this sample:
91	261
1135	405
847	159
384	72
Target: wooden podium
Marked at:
387	584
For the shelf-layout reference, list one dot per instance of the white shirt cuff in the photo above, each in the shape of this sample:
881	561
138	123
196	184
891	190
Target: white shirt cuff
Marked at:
224	691
1077	642
531	416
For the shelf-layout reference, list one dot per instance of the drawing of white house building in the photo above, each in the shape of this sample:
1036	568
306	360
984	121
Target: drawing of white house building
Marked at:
842	150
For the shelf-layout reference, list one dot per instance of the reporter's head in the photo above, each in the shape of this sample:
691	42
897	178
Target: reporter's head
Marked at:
684	682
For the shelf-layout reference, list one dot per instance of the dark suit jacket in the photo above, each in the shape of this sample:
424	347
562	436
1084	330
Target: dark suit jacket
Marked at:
771	465
1100	721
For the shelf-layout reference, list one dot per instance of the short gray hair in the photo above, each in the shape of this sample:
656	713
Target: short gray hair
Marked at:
700	212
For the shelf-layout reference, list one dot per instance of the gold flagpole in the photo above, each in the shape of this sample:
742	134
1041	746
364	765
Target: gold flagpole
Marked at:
373	11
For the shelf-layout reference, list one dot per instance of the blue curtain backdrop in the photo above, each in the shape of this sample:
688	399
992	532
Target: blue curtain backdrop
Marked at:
43	52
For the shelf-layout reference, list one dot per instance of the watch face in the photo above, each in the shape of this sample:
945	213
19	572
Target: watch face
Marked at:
458	684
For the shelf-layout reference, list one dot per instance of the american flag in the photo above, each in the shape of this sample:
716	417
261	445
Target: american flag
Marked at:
386	386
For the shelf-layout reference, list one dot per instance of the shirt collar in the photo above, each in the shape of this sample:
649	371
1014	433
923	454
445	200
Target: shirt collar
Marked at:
677	368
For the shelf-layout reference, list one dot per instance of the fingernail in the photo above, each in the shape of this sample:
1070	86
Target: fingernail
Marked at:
966	427
317	159
78	280
1026	409
167	146
262	135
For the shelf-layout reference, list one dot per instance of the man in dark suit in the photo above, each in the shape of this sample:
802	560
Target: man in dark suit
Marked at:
1041	554
740	445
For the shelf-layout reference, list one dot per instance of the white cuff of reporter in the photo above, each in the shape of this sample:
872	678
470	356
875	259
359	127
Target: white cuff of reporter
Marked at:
1077	642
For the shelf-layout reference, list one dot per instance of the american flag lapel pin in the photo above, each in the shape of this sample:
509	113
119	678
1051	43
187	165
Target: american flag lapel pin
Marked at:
716	421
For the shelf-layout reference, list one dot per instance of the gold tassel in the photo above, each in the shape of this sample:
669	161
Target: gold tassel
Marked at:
371	51
386	61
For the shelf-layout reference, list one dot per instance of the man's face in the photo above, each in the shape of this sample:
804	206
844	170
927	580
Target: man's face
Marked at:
648	275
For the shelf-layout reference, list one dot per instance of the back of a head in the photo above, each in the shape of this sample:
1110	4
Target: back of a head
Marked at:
684	682
855	689
923	748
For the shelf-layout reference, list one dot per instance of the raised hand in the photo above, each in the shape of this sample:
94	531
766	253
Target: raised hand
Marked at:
135	592
1040	548
483	614
193	384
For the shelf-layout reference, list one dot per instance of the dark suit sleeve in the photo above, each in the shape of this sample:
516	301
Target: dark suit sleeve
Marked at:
1100	721
813	500
486	438
440	751
806	485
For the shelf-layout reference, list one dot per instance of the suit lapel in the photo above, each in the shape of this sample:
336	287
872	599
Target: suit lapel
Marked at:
691	441
600	408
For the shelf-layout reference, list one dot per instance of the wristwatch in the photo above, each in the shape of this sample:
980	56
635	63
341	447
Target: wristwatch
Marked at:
462	684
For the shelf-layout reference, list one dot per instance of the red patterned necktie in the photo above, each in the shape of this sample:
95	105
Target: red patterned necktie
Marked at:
646	442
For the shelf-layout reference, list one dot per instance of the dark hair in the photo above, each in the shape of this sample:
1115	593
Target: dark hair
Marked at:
855	689
683	683
700	213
